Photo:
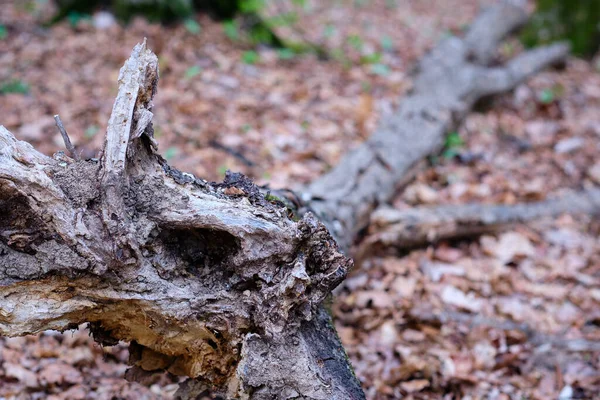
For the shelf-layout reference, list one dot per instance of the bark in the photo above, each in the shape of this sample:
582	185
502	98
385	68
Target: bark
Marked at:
422	225
447	84
215	281
210	281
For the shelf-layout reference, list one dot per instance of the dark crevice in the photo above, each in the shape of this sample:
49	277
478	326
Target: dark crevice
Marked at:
200	247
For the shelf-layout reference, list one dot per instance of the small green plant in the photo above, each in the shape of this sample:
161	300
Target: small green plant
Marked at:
546	96
222	170
14	86
192	26
550	94
75	18
329	30
91	131
250	57
355	41
269	197
3	32
380	69
231	29
452	145
285	54
387	44
372	58
170	153
192	71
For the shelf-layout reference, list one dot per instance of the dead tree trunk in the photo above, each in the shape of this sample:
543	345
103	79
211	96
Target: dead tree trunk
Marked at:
215	281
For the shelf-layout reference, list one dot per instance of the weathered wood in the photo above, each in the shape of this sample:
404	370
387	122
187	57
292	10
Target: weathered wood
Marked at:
447	83
214	281
421	225
199	281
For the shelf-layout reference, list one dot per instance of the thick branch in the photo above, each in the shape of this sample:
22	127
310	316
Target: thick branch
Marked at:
417	226
447	84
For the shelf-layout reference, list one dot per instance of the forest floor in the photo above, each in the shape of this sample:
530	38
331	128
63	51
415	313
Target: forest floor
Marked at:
493	317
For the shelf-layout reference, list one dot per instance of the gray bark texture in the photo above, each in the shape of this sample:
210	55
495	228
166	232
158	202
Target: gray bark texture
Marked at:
422	225
215	281
448	82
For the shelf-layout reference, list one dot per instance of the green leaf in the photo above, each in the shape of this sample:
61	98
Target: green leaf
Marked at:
250	6
380	69
231	29
91	131
449	153
387	44
192	71
453	140
373	58
3	32
285	54
14	86
222	170
74	17
546	96
329	30
250	57
192	26
355	41
170	153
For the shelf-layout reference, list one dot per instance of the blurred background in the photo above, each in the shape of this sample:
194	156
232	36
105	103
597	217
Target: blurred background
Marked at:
280	90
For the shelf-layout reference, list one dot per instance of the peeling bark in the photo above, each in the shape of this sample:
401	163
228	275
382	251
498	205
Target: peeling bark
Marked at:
201	282
215	281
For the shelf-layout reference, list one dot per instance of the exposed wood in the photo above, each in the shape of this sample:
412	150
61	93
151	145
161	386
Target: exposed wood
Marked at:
200	282
216	281
422	225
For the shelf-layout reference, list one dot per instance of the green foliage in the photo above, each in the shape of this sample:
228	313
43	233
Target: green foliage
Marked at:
269	197
170	153
192	26
250	57
355	41
3	32
285	54
372	58
576	21
75	17
546	96
192	71
380	69
154	10
14	86
244	19
387	44
91	131
452	145
231	29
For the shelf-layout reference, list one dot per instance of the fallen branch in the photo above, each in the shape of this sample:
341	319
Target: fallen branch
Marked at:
422	225
534	337
447	84
215	281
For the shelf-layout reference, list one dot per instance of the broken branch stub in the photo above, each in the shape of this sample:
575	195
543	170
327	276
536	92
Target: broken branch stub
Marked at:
217	287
